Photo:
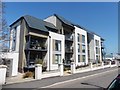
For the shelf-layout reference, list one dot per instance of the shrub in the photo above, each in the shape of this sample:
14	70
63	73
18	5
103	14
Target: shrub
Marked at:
38	61
28	74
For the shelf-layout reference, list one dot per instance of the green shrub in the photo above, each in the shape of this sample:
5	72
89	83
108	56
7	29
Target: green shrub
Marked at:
66	68
38	61
28	74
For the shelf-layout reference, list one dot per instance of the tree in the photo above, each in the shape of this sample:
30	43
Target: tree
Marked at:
4	33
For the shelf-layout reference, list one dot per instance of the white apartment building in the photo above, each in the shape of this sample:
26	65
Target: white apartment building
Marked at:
53	40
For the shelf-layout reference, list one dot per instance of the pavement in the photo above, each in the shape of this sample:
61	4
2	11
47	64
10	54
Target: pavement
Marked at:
36	84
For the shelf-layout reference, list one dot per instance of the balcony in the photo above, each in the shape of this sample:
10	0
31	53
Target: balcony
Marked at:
102	46
68	50
69	38
36	47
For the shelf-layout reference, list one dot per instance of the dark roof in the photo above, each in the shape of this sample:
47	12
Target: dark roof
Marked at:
64	20
36	23
87	30
73	24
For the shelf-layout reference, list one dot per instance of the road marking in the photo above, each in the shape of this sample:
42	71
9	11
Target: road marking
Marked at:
78	78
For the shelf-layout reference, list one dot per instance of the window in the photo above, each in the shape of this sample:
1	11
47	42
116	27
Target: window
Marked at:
96	42
83	38
97	50
13	45
83	48
78	58
83	58
97	58
14	39
57	45
78	37
56	58
78	47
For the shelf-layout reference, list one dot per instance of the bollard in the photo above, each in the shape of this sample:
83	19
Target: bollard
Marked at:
91	66
3	69
102	64
38	71
110	63
72	67
61	69
116	62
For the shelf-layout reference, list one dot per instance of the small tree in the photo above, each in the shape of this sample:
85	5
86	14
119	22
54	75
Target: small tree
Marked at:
4	33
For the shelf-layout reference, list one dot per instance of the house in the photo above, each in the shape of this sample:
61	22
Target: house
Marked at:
53	40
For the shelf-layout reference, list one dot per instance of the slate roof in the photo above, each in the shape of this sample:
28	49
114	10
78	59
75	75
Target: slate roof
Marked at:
73	24
36	23
39	24
64	20
87	30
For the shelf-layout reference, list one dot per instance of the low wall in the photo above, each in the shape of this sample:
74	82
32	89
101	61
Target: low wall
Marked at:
14	57
3	70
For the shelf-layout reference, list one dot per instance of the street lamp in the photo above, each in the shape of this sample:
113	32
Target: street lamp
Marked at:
112	55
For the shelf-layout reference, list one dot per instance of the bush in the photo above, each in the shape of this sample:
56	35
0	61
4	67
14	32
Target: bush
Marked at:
42	62
28	74
66	68
38	61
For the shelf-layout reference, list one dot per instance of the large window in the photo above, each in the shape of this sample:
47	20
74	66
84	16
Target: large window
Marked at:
57	58
78	47
96	42
83	48
83	58
57	45
83	38
78	58
78	37
97	50
97	58
14	39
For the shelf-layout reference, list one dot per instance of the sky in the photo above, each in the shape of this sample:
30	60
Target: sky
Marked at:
99	17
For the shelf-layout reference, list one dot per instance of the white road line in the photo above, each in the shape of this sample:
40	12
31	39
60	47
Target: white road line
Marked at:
78	78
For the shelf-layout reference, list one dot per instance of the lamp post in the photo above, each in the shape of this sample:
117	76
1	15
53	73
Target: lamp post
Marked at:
112	55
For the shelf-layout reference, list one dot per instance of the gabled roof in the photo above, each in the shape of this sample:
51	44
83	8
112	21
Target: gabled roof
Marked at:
36	23
87	30
64	20
73	24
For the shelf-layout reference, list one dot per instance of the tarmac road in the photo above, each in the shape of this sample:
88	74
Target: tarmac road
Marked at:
99	77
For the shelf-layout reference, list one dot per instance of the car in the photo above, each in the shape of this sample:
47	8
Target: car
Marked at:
115	84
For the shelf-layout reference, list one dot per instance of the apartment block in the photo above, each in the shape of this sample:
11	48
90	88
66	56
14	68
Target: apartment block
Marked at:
53	40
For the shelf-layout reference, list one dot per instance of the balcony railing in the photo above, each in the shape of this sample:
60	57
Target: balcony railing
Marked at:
34	46
68	50
69	37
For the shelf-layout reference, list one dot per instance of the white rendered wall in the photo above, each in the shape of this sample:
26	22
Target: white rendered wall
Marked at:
99	39
48	54
14	56
56	36
51	19
17	38
11	39
3	70
83	32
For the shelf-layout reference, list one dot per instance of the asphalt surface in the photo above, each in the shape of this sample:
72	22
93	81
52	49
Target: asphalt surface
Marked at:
100	80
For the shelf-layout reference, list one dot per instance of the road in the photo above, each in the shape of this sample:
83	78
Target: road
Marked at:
99	77
96	81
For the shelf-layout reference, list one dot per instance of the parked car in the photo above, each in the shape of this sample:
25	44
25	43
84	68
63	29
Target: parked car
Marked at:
115	84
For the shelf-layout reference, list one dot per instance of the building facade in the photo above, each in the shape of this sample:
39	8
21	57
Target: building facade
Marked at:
53	40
